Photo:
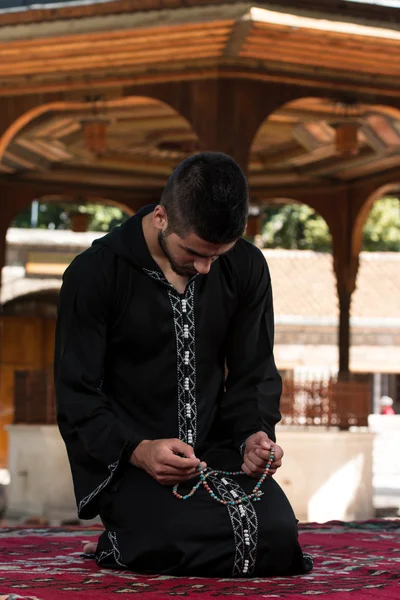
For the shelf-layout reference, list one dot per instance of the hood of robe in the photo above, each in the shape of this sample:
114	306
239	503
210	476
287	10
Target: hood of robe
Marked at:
127	241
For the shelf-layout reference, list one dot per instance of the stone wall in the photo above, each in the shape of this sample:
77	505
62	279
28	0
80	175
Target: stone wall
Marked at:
326	474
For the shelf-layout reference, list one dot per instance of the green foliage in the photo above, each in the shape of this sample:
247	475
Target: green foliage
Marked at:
103	217
55	215
295	226
382	229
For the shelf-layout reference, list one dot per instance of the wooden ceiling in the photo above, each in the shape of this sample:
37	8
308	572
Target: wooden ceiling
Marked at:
297	144
146	139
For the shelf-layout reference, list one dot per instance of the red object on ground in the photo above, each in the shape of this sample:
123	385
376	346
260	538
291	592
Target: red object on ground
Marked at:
353	561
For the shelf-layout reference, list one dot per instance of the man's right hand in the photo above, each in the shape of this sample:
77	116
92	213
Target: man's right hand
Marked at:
168	461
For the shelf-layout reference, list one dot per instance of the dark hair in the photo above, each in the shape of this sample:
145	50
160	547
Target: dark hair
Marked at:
207	194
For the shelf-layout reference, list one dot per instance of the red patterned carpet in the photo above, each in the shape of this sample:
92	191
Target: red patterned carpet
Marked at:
353	561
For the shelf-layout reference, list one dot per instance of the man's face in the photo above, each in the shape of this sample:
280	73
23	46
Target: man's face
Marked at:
190	255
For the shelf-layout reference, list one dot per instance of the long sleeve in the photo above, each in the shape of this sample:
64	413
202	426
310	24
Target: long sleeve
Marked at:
85	414
253	386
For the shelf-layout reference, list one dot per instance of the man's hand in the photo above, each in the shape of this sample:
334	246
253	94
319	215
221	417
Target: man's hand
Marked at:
168	461
256	455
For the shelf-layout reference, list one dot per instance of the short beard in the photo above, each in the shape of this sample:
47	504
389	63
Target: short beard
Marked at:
181	271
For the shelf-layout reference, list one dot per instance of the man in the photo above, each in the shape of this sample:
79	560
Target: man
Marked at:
149	319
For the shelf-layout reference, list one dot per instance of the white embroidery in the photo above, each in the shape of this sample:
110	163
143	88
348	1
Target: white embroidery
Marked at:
184	325
103	555
185	334
99	488
158	277
244	524
112	536
308	557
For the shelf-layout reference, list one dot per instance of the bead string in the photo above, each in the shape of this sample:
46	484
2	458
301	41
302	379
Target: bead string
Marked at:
255	495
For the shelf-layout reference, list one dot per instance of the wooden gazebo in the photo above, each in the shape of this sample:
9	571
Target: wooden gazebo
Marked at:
102	100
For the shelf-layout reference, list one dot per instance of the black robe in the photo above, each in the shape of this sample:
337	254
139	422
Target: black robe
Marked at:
136	360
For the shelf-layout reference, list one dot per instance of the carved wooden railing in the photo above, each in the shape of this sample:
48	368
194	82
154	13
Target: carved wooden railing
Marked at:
339	403
332	403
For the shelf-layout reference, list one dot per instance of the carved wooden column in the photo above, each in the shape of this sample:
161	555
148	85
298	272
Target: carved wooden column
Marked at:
227	114
224	113
344	295
345	262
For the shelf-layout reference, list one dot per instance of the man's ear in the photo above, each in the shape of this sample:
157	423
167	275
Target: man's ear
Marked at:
160	219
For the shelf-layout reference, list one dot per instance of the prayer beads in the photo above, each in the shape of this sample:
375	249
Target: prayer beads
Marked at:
255	495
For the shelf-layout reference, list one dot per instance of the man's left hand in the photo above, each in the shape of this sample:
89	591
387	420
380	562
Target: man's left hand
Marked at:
257	453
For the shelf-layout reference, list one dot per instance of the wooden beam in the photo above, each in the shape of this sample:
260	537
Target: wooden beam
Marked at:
377	90
237	38
104	53
45	150
317	57
369	168
95	178
18	162
113	60
58	46
337	39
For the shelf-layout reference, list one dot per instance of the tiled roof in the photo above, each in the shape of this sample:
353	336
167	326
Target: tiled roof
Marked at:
304	284
378	286
30	4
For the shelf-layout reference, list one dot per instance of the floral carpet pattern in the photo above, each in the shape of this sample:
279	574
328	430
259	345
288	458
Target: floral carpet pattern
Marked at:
353	561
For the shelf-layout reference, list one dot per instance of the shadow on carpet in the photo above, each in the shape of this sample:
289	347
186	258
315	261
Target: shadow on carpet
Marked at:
353	561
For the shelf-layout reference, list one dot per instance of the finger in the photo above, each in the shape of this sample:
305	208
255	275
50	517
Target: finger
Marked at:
278	452
252	467
276	464
259	457
179	447
172	470
180	462
261	439
180	471
262	454
254	456
246	470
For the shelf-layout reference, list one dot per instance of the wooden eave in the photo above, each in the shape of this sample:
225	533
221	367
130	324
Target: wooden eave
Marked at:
334	9
110	50
100	55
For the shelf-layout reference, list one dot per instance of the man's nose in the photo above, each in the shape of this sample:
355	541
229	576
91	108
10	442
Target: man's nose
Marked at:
202	265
